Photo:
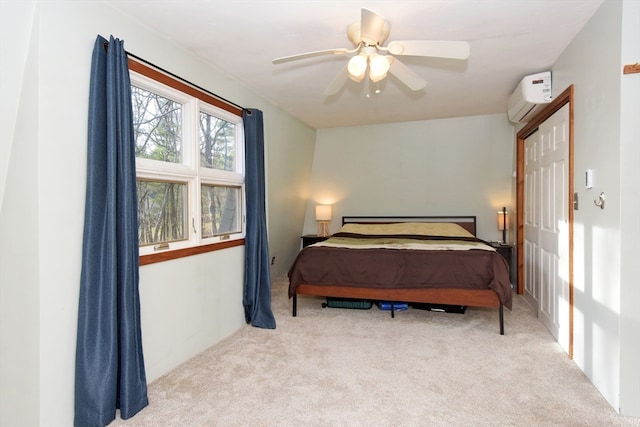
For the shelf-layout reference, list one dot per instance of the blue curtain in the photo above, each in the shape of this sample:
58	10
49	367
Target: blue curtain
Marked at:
109	364
257	281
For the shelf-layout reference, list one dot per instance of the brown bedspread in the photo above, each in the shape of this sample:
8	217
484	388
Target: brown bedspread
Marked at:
402	269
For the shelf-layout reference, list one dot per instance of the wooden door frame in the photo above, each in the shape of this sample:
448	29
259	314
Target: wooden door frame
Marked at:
560	101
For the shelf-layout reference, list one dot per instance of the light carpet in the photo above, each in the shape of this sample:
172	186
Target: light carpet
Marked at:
343	367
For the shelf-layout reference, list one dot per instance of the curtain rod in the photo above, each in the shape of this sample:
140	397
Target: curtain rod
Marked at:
106	45
186	81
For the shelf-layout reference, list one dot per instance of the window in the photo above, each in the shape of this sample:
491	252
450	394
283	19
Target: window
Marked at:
189	165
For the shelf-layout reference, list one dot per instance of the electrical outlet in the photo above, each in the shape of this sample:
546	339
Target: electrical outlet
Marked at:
273	260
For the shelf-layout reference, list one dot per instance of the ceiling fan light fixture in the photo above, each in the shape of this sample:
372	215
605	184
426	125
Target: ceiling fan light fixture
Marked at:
379	66
357	67
373	61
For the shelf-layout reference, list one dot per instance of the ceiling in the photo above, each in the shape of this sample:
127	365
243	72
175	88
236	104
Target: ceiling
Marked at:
509	39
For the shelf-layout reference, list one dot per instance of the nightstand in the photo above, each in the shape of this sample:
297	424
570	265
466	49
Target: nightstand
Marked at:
310	239
506	251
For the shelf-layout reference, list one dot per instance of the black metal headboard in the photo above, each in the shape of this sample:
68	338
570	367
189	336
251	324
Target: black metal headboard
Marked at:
468	222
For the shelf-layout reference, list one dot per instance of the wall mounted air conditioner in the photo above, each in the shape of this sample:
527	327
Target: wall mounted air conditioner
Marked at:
532	91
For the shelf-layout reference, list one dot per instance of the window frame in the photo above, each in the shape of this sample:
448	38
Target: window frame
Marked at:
194	101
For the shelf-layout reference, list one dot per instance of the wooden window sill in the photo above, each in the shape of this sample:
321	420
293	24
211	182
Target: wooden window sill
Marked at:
181	253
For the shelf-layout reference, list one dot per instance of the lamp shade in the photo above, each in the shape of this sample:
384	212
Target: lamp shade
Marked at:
323	212
357	67
379	65
503	219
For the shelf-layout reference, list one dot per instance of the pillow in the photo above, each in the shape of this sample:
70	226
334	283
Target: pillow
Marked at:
418	228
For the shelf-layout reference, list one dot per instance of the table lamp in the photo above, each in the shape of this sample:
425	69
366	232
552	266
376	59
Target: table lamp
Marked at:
323	216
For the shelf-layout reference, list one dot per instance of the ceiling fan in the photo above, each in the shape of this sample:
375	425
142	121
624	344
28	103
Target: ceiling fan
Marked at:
368	37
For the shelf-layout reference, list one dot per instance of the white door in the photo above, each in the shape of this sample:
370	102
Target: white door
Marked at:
546	238
531	220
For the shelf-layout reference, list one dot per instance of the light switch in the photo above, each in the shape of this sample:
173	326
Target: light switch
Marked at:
588	178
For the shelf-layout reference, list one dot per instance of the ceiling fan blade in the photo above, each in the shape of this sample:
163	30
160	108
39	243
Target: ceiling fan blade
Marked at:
374	29
310	55
406	75
337	83
434	48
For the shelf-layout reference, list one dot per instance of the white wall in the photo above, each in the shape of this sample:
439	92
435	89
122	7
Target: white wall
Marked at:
289	161
457	166
186	304
15	19
592	62
19	240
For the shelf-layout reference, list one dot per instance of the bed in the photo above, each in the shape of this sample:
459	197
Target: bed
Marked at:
435	260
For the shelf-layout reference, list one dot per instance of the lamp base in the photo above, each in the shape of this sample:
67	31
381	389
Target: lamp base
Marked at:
323	228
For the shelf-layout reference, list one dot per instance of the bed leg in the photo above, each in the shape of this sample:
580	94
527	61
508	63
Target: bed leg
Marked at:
295	305
501	319
393	314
